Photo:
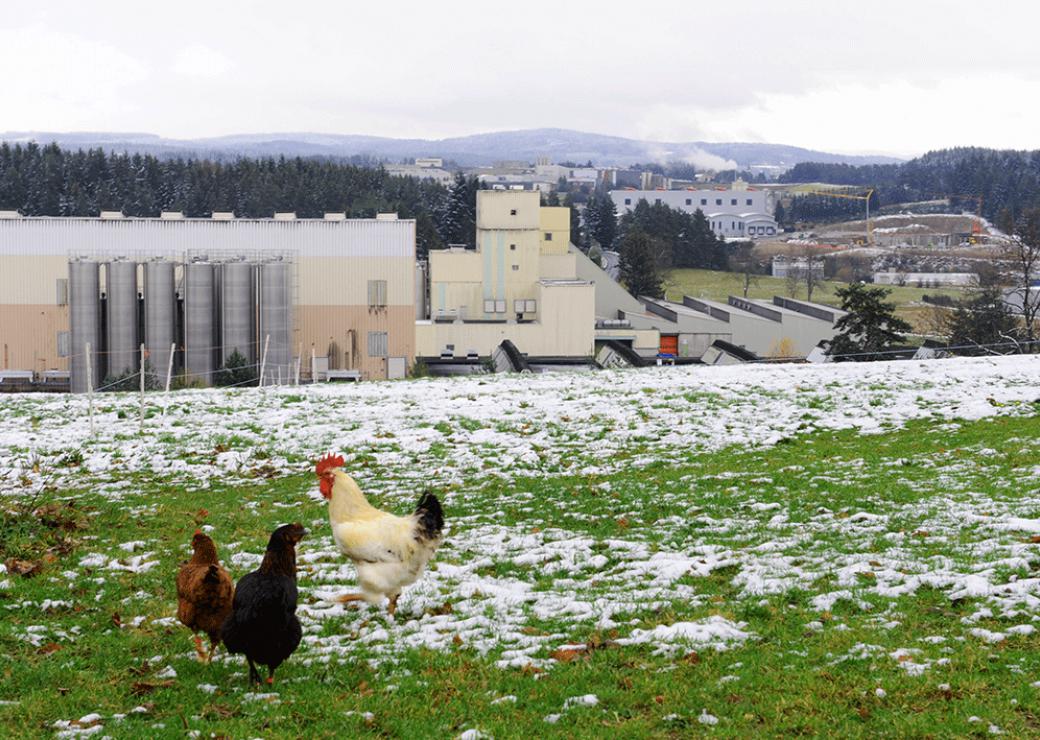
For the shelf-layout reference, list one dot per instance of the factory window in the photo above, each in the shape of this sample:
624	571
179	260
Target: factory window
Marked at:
500	305
741	225
733	201
771	230
749	201
63	293
489	305
516	268
63	344
512	211
377	344
689	201
704	201
548	236
376	293
628	201
718	201
518	306
512	247
531	305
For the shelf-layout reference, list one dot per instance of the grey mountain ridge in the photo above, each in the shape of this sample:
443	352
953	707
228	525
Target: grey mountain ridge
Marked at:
559	145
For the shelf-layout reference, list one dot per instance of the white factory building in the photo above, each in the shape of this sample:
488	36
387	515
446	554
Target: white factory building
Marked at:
736	213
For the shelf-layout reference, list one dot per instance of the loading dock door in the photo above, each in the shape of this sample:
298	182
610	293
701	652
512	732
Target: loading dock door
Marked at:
670	345
395	368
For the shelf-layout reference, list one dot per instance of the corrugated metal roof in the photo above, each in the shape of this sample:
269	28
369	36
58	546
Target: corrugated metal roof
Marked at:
154	236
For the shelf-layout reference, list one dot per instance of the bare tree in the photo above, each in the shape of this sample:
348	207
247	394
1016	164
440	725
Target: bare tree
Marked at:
742	261
813	271
792	280
1023	252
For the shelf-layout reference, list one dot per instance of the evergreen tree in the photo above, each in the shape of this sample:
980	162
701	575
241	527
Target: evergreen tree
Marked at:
984	318
779	214
870	325
590	216
638	266
236	371
568	201
605	229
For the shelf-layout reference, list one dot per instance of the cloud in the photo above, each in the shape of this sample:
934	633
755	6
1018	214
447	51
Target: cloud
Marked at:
60	80
201	61
901	118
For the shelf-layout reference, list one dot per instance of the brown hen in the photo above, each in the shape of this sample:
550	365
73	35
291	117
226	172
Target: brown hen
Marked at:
204	594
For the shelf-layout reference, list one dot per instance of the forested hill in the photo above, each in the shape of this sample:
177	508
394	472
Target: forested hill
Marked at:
1006	180
49	181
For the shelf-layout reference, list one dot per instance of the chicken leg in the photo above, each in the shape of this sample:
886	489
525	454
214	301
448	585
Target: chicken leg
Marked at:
213	642
199	652
254	675
392	606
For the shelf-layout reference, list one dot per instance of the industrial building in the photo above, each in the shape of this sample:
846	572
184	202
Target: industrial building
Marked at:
520	283
738	213
526	283
784	328
311	296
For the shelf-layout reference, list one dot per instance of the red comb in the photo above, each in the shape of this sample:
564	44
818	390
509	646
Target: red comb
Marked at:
327	463
198	531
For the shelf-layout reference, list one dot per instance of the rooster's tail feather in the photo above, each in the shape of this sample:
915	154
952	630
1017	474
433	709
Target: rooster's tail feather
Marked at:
431	517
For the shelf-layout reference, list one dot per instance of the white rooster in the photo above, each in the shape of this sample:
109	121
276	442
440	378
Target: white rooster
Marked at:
389	552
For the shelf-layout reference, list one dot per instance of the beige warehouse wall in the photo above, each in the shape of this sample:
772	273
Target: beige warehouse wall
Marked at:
558	266
565	328
555	225
320	326
495	209
29	336
343	281
30	279
455	265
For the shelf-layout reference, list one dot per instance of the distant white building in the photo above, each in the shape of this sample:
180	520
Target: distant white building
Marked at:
926	279
421	171
738	213
782	266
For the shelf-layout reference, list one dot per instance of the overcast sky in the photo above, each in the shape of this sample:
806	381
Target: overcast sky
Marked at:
865	77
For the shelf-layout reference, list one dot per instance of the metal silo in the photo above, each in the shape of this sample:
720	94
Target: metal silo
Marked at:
199	321
238	310
160	313
276	318
123	344
84	322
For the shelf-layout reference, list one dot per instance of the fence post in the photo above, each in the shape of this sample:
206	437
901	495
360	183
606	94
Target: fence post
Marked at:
169	367
142	387
263	361
90	390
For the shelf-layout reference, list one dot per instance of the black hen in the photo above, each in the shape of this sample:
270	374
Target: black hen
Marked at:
263	623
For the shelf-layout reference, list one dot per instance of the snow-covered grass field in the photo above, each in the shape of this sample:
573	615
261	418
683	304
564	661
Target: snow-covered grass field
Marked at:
736	551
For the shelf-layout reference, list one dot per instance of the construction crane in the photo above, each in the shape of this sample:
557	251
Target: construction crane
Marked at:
864	198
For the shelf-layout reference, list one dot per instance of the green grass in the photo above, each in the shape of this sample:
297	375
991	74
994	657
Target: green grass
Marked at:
808	670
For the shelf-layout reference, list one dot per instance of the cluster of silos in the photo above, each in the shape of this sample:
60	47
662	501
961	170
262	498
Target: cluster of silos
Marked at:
229	305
